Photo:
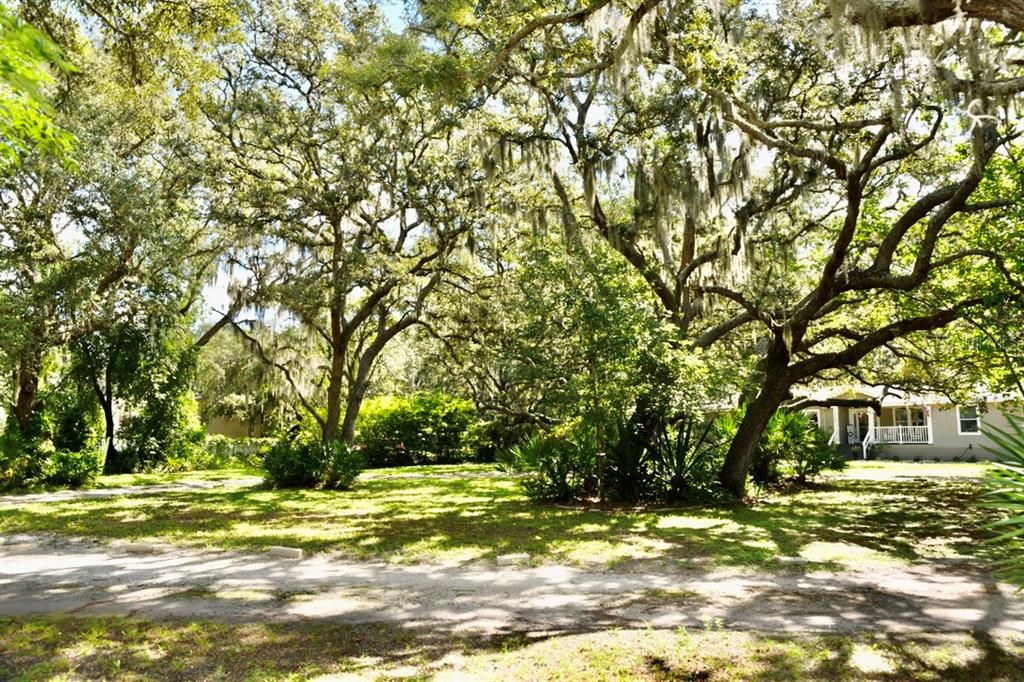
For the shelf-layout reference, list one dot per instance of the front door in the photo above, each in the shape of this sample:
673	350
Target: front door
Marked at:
859	425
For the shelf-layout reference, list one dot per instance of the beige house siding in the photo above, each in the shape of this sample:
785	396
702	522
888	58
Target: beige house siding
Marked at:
947	443
232	428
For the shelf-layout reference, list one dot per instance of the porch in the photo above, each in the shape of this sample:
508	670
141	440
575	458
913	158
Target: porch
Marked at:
900	425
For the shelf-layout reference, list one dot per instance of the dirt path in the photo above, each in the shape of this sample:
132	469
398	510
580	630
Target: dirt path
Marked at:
42	574
181	486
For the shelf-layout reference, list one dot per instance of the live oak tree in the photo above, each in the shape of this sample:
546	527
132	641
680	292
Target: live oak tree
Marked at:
808	199
118	237
338	154
893	182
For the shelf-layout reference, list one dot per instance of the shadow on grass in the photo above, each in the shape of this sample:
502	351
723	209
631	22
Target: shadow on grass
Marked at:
112	647
481	518
963	658
96	648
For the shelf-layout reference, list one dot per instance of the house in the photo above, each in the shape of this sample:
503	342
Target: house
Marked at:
926	426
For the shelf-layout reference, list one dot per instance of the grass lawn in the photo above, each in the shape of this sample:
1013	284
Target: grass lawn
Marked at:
128	649
882	512
126	480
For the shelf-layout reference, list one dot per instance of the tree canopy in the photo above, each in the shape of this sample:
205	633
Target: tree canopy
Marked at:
567	212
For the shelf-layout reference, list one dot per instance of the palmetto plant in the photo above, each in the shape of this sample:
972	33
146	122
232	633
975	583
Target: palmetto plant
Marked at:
1007	494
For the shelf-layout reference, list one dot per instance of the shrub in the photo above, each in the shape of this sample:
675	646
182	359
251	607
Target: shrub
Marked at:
223	452
493	438
311	463
220	452
687	456
656	460
1006	494
553	468
21	461
28	463
793	447
76	419
425	428
73	469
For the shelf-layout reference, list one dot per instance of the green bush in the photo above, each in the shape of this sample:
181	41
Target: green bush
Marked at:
1006	494
793	448
660	460
165	434
557	470
21	462
221	452
30	463
424	428
311	463
73	469
687	456
76	419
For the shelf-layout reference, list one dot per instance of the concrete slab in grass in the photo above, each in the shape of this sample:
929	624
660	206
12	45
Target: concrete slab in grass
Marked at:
285	552
142	548
513	559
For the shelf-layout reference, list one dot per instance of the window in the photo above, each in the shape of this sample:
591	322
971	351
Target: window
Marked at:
909	416
968	420
813	416
917	416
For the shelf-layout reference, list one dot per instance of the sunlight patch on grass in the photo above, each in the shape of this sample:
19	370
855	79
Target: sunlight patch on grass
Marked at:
439	549
869	660
875	468
131	480
844	553
689	522
606	553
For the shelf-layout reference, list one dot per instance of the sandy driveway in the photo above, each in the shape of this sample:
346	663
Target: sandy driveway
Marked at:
93	493
42	574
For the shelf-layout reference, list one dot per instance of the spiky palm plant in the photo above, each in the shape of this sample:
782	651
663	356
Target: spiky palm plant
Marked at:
1007	494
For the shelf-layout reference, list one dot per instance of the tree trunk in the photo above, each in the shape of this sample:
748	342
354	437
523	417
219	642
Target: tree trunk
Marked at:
107	403
352	407
337	378
738	459
28	393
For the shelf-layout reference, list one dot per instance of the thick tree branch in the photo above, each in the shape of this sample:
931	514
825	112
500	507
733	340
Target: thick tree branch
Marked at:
804	403
893	13
874	340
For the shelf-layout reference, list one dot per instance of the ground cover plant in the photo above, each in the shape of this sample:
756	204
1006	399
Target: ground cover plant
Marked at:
1007	494
43	648
883	512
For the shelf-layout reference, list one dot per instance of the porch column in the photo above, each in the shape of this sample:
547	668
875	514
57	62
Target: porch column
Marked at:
928	420
843	420
835	424
871	431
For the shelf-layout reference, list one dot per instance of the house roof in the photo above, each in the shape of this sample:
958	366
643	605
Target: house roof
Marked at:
899	398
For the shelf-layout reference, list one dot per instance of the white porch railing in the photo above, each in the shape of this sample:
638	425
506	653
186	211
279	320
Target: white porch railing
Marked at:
901	435
866	444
